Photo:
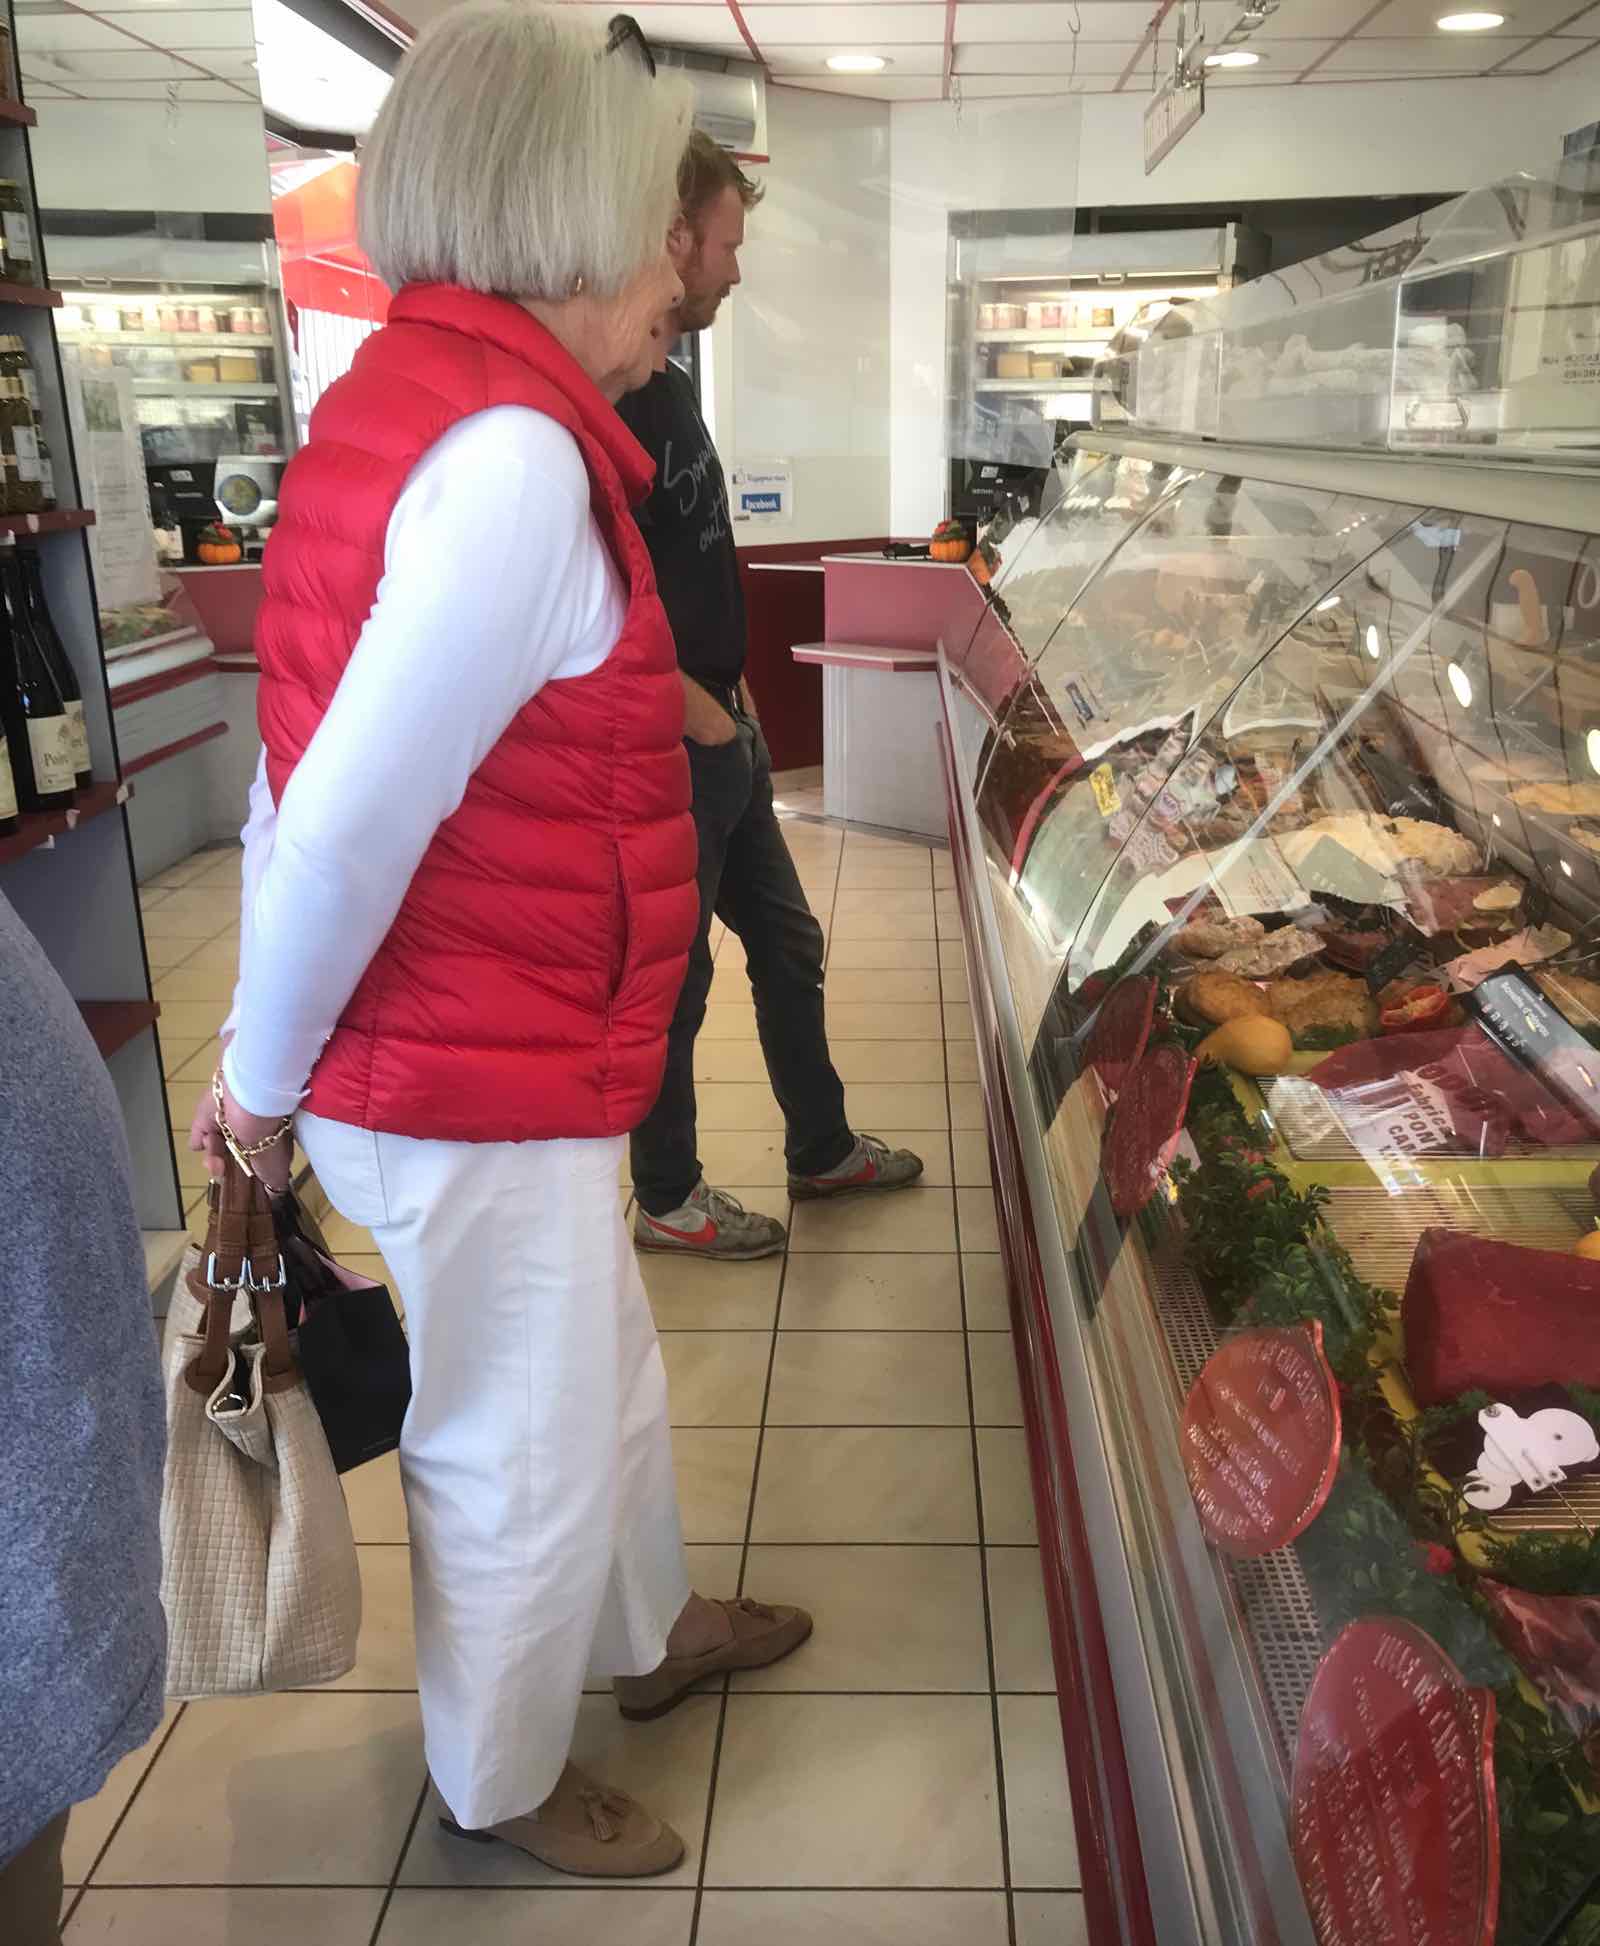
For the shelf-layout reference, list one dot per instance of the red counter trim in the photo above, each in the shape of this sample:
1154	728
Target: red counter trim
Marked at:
174	749
165	679
1115	1894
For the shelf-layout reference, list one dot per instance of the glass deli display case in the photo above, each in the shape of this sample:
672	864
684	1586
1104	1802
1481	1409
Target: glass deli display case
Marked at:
1275	796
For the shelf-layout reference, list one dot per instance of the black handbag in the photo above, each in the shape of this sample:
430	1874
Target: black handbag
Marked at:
350	1343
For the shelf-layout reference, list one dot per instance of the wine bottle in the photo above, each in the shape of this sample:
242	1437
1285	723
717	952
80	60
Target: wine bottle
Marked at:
37	727
60	662
9	819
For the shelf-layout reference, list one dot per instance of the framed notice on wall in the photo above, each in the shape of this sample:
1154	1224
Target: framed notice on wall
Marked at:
762	492
105	431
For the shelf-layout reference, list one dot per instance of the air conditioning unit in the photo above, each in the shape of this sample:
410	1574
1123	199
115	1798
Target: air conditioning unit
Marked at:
730	97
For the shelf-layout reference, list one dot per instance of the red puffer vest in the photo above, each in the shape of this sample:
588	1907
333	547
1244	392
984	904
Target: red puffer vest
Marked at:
525	987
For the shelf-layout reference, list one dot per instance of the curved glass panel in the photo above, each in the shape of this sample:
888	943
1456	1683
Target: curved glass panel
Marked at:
1320	1086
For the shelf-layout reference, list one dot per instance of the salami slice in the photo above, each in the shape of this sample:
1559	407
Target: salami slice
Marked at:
1143	1136
1121	1029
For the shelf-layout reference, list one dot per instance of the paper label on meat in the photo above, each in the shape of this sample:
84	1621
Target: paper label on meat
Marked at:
1261	1438
1392	1811
1103	783
1255	877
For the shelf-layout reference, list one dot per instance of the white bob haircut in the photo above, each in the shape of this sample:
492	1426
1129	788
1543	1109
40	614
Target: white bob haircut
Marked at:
515	155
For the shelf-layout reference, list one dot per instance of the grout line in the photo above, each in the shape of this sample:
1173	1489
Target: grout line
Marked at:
400	1859
977	1481
121	1818
577	1889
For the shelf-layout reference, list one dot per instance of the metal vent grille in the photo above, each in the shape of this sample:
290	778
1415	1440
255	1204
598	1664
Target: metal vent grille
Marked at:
1273	1600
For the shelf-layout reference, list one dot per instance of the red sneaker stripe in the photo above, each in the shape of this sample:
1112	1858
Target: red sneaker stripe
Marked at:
705	1234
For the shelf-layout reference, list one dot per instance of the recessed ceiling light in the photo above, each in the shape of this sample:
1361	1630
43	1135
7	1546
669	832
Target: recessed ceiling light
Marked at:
1235	57
856	63
1461	683
1469	23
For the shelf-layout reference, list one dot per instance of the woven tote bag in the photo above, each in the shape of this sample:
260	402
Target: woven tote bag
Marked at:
258	1563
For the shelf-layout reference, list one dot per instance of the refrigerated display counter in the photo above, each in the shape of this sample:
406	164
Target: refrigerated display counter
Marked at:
1274	789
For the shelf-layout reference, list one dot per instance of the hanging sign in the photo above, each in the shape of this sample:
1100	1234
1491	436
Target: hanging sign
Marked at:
1174	109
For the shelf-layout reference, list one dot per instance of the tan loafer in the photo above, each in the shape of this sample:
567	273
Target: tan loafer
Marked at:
587	1829
761	1635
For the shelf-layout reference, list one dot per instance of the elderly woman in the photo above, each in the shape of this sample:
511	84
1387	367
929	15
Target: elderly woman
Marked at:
469	893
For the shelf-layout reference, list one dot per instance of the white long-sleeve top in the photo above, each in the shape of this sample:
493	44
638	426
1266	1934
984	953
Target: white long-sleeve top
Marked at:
495	582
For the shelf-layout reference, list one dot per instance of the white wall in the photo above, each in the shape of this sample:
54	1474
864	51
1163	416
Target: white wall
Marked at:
802	365
1255	143
137	155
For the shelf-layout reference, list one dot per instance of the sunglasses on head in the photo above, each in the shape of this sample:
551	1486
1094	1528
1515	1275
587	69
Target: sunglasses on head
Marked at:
625	32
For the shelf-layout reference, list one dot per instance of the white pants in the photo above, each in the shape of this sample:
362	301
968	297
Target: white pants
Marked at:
545	1542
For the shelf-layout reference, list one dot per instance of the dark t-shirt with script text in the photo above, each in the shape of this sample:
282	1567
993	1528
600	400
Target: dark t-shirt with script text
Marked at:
686	527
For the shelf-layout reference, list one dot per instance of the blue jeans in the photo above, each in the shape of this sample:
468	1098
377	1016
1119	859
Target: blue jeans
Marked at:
748	881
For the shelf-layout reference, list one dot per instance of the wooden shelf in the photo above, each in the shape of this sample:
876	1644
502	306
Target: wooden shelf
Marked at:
60	521
30	294
41	827
113	1023
17	114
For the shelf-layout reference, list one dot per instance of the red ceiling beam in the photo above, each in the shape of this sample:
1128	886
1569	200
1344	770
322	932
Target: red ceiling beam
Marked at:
948	65
743	26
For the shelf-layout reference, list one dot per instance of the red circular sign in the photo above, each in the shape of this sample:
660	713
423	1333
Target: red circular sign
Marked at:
1261	1438
1392	1815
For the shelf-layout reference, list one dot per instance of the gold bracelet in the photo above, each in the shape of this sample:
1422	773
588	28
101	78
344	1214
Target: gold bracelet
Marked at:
243	1152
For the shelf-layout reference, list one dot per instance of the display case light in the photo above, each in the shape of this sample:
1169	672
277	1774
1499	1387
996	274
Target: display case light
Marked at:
1566	868
1461	683
1328	601
1591	743
1373	642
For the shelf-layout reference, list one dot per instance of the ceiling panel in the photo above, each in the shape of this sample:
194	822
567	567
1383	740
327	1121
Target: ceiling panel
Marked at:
136	64
811	60
1442	54
841	26
1523	17
1058	62
191	27
874	87
72	33
992	87
1538	57
1043	20
682	23
1298	20
194	89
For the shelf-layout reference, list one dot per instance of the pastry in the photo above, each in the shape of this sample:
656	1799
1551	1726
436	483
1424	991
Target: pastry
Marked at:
1321	1005
1275	952
1576	998
1559	800
1211	938
1208	999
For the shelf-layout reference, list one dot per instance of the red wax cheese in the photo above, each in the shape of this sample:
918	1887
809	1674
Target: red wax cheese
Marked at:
1495	1317
1121	1029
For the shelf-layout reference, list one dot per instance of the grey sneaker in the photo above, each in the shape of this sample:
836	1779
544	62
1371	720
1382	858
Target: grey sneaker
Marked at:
711	1224
871	1164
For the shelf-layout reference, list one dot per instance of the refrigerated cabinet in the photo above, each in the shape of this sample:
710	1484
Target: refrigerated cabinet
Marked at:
1308	743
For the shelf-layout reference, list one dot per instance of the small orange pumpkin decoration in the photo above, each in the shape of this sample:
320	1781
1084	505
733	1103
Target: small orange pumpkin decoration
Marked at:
982	565
949	542
218	546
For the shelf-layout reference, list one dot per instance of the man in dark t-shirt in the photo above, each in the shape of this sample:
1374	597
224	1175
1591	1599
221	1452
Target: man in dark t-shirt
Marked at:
747	878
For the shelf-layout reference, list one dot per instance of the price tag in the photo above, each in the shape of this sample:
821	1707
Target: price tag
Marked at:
1261	1438
1104	785
1330	867
1392	1810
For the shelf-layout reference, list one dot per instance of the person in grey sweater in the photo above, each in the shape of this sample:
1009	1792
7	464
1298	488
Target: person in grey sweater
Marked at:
82	1439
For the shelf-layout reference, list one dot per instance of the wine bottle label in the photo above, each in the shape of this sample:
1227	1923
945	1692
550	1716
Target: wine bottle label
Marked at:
80	737
25	444
50	744
8	788
47	477
19	236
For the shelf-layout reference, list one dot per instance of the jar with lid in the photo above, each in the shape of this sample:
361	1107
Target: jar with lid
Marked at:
258	322
188	318
205	319
239	320
21	263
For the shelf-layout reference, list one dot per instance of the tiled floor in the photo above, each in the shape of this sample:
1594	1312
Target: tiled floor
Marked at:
847	1435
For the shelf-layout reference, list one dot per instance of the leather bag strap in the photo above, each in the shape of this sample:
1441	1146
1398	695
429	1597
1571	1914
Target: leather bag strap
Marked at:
241	1253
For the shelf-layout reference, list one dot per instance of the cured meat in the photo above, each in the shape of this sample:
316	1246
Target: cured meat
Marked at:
1143	1136
1121	1029
1556	1638
1450	1089
1497	1317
